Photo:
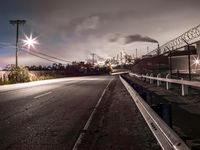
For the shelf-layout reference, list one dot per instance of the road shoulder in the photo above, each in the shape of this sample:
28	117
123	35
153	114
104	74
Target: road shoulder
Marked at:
118	124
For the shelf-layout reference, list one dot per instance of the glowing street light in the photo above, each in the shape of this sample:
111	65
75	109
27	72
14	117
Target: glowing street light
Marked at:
30	42
196	61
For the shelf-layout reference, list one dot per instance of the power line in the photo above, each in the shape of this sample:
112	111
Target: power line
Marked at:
40	53
39	56
51	56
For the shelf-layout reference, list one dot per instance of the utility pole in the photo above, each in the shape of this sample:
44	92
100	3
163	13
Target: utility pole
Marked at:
93	54
147	49
17	22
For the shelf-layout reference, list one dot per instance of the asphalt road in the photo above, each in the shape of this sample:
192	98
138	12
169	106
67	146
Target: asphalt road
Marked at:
47	114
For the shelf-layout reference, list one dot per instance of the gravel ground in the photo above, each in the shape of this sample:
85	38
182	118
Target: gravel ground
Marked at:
118	124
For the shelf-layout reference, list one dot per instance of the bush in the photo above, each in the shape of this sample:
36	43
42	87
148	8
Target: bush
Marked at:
18	74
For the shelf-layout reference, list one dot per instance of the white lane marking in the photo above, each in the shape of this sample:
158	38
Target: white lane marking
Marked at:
42	95
79	140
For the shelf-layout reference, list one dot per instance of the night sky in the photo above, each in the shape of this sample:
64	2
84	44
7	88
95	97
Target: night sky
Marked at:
73	29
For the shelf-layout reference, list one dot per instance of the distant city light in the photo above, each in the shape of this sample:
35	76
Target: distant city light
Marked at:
30	41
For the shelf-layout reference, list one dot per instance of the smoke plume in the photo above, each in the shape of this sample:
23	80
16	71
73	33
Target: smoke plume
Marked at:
131	38
114	38
138	38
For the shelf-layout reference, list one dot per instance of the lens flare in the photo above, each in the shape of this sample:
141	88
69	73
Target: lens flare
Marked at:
196	61
30	42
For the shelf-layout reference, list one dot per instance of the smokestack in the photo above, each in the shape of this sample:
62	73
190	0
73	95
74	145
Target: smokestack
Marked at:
136	52
158	50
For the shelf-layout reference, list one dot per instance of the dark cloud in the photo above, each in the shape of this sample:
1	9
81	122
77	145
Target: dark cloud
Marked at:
57	22
114	38
138	38
89	23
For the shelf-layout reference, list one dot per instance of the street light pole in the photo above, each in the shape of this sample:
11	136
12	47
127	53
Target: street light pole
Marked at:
17	22
93	54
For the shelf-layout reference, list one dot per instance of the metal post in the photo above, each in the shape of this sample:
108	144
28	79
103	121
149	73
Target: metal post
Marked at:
147	80
184	89
151	80
158	81
170	61
189	65
168	84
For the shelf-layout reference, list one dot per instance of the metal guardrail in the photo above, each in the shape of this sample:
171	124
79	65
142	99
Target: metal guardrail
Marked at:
166	137
118	73
184	83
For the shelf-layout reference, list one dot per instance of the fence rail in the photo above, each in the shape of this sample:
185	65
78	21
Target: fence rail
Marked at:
184	83
166	137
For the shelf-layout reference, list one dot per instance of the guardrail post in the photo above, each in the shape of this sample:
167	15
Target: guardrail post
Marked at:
140	77
147	80
130	74
143	78
168	84
158	82
151	80
184	89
